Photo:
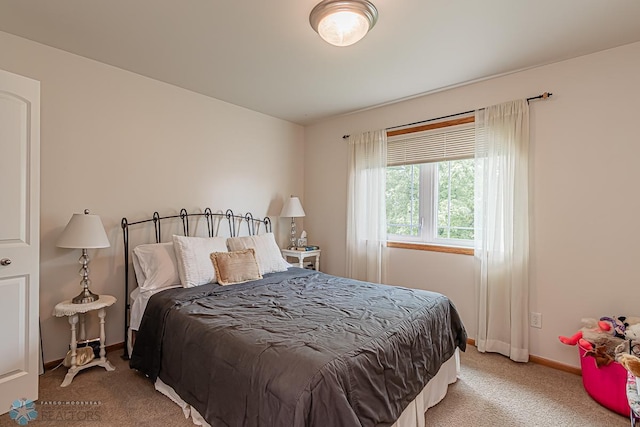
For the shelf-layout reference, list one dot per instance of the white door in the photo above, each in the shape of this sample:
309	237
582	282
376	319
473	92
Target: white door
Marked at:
19	238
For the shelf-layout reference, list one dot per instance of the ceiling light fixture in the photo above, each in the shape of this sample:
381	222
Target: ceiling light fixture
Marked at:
343	22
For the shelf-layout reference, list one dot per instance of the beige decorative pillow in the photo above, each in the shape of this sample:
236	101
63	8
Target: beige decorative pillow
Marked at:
235	267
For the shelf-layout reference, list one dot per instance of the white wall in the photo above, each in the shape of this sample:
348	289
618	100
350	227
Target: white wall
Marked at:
123	145
585	199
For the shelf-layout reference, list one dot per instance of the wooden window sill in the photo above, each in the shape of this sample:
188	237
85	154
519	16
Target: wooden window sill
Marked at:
432	248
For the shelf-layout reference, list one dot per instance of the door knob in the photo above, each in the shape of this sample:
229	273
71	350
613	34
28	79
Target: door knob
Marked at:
5	261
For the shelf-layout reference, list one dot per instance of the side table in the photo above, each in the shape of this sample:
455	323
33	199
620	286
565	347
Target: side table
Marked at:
301	255
76	312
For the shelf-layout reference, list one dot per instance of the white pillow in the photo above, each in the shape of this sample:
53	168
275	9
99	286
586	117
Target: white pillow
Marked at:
194	263
268	253
155	266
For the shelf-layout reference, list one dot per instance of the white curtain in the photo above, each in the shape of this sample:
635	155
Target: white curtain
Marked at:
502	229
366	209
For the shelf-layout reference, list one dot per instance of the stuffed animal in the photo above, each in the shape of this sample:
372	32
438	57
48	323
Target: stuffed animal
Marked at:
632	332
594	333
620	324
630	362
631	343
616	325
605	338
601	355
629	320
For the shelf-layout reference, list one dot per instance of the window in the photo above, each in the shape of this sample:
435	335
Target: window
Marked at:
430	184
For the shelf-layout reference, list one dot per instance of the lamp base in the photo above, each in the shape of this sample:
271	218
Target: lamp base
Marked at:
292	240
86	296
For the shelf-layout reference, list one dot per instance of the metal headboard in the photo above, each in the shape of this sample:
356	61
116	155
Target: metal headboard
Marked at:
213	221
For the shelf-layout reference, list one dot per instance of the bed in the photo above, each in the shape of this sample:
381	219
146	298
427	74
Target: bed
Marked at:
289	347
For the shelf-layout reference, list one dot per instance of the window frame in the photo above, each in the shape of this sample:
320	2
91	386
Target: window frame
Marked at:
427	237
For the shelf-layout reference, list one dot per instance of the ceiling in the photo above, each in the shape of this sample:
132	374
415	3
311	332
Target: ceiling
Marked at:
263	55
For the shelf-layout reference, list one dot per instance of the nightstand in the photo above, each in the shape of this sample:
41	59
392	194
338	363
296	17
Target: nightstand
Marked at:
302	255
75	313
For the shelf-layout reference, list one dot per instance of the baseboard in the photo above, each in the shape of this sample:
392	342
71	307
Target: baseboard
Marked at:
109	348
544	362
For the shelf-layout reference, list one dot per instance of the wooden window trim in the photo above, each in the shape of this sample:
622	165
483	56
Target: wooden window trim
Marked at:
431	126
432	248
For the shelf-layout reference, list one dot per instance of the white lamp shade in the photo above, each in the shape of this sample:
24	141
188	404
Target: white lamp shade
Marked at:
84	231
292	208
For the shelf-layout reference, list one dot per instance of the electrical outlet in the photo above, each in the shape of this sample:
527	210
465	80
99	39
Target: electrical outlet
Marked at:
536	320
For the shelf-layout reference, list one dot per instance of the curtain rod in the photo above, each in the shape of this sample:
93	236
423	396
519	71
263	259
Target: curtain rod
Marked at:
541	96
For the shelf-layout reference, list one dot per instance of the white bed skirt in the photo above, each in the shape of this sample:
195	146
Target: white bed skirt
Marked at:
412	416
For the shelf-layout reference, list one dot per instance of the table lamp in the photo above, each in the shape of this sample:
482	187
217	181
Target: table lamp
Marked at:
84	231
292	209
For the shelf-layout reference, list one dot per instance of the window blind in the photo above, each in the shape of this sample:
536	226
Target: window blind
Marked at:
436	145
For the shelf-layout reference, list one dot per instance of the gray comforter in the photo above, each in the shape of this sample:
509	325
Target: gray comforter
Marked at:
297	348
